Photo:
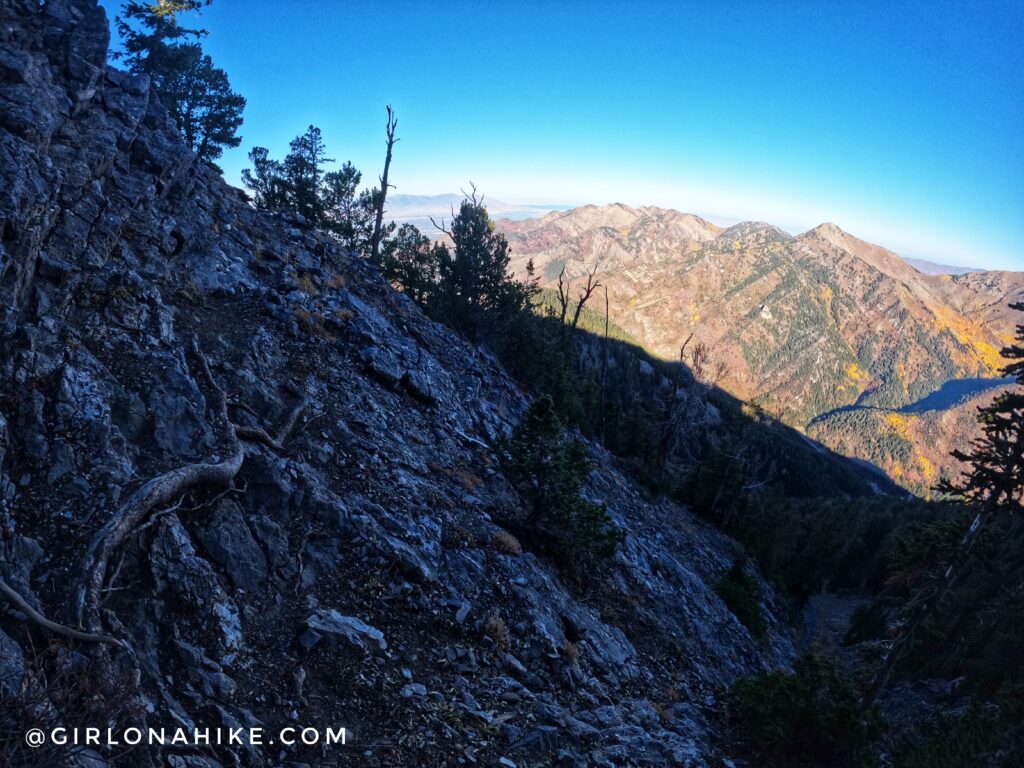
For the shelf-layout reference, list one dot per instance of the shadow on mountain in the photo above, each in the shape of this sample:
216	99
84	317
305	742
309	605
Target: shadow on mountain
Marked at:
951	394
670	426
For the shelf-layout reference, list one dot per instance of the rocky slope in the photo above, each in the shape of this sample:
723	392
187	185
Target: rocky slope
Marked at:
806	324
349	572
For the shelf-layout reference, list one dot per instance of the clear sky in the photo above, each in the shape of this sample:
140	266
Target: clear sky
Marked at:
902	122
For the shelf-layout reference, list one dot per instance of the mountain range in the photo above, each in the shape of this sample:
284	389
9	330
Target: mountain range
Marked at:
420	209
827	332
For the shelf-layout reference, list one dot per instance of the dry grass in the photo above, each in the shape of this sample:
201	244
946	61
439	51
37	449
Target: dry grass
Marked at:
506	543
306	285
469	480
571	653
495	629
312	322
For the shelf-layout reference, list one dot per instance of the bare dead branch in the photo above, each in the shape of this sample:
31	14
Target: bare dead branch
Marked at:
591	286
682	349
440	226
471	196
563	296
392	124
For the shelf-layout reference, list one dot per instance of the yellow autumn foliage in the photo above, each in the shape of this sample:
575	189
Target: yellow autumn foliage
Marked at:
971	335
900	425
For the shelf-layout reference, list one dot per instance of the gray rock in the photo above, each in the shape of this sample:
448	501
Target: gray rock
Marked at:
12	666
230	543
353	631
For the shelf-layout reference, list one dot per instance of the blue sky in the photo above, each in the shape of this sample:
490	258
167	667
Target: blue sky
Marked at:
902	122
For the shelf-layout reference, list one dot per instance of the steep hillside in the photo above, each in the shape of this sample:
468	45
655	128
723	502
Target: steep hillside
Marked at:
238	453
806	324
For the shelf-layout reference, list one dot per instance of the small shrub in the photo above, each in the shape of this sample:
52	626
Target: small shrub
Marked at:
571	652
312	322
307	285
742	595
61	688
808	718
549	471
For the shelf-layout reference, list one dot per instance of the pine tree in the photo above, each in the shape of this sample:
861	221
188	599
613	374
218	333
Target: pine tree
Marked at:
266	180
207	111
409	260
995	478
549	470
347	212
475	290
327	199
992	484
196	93
303	170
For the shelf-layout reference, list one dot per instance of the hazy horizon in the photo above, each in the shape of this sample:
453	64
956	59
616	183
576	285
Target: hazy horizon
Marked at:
903	124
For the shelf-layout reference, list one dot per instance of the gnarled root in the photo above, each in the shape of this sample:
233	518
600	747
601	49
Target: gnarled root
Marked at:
35	616
259	435
155	493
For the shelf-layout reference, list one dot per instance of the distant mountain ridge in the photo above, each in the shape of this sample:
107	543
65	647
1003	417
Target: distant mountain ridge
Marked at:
931	268
807	324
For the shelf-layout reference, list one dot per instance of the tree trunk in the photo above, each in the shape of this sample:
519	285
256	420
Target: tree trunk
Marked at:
379	223
604	365
924	609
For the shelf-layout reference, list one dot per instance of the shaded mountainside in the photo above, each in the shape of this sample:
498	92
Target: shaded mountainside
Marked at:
806	324
349	571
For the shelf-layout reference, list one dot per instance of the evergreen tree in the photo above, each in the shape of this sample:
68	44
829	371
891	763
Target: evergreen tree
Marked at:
198	94
993	483
327	199
995	477
303	171
207	111
549	471
409	260
475	290
266	180
347	212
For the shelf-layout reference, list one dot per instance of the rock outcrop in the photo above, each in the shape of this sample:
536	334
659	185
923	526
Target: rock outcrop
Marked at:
347	574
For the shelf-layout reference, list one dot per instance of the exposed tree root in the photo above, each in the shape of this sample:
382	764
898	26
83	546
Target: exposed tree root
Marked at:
157	492
22	605
259	435
168	489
